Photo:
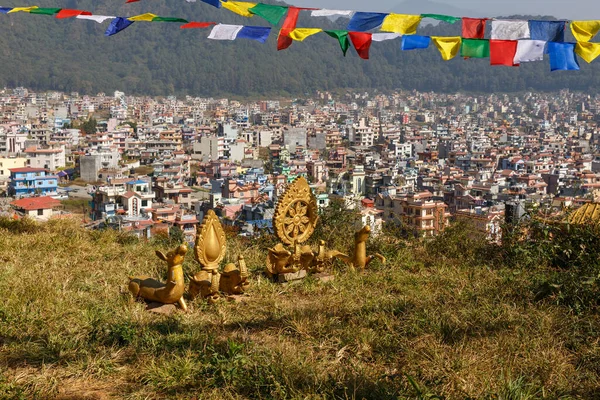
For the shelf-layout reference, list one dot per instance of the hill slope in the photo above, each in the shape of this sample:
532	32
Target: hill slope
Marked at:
441	318
41	52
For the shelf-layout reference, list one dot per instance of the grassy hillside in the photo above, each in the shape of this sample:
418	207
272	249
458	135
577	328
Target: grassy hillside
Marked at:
452	318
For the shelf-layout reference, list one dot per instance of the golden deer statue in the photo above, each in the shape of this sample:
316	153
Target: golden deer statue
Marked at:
166	293
359	259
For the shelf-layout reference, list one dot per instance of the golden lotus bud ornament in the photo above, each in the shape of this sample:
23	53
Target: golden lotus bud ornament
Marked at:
209	251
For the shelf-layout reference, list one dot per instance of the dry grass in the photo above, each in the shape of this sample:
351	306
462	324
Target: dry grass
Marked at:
67	330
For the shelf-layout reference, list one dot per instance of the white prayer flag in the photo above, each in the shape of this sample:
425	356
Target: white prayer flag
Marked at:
380	37
225	32
529	50
510	30
98	18
331	13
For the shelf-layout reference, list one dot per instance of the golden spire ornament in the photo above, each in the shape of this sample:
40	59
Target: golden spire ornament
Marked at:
209	252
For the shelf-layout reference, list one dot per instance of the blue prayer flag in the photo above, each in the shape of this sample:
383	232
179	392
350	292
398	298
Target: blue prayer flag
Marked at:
412	42
562	57
365	21
258	33
4	10
550	31
215	3
117	25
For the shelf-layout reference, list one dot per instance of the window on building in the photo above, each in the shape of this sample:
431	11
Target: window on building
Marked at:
144	203
40	212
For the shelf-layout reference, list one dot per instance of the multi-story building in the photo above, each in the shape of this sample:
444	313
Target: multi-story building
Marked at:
27	181
51	158
130	198
8	163
418	213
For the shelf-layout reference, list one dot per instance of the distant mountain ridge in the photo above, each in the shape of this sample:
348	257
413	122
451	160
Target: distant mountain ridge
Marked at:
158	58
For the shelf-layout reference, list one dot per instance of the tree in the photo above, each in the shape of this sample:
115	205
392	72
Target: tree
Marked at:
89	127
132	125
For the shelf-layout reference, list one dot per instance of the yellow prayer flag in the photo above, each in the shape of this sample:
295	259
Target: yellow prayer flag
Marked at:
24	9
401	23
448	46
584	31
239	7
143	17
300	34
588	51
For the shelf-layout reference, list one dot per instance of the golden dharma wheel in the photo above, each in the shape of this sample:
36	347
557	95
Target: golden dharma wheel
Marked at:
296	214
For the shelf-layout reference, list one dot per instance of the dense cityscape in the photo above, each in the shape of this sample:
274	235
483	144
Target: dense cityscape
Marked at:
416	160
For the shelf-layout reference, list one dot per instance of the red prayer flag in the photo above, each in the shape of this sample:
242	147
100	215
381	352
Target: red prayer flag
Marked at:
473	28
289	24
132	1
69	13
502	52
191	25
362	43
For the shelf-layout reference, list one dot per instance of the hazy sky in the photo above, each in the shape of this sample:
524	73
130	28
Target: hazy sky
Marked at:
583	9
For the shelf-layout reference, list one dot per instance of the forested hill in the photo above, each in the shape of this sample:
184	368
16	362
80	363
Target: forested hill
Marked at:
41	52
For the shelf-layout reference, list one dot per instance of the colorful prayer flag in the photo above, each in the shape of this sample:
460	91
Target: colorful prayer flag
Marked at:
549	31
97	18
258	33
342	37
440	17
225	32
447	46
502	52
331	13
117	25
289	24
475	48
365	21
271	14
562	57
362	43
473	28
381	37
588	51
529	50
510	29
413	42
401	23
169	19
148	17
22	9
197	25
69	13
584	31
214	3
239	7
299	34
45	11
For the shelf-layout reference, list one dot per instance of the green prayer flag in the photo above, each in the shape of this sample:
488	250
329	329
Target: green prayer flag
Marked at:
272	14
440	17
342	37
475	48
45	11
169	19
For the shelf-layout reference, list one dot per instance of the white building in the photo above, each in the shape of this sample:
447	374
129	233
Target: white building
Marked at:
51	158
